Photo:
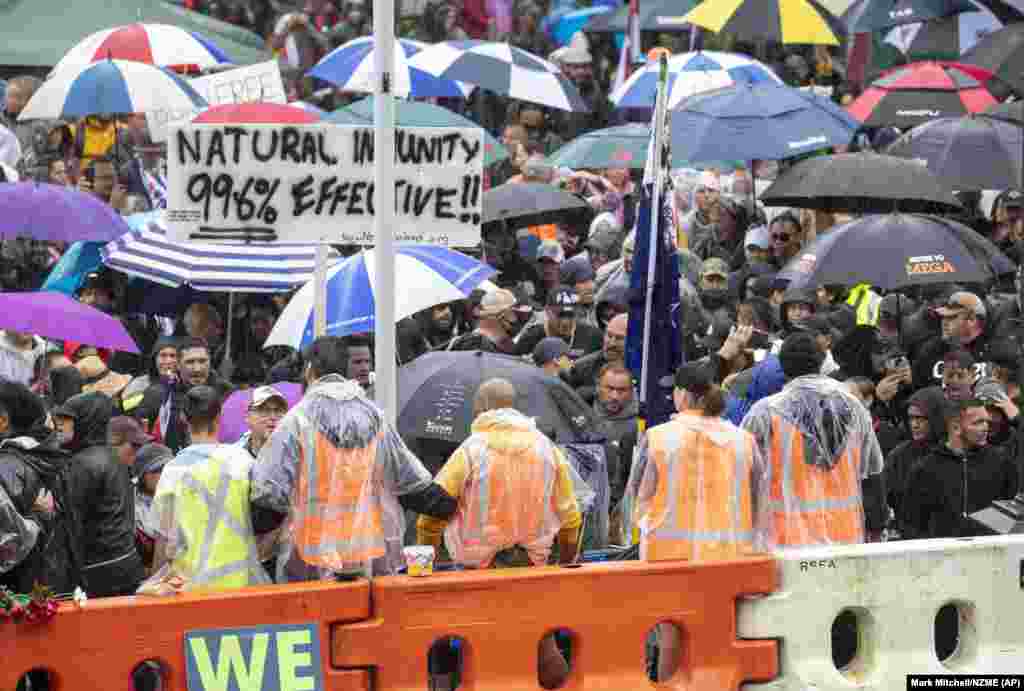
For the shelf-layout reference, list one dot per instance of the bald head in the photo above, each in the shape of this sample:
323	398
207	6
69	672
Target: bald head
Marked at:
615	338
494	394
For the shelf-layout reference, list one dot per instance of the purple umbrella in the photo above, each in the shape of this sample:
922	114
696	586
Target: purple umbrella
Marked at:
56	316
57	213
236	407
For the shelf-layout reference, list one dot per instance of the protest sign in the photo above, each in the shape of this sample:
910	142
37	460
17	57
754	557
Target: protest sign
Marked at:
315	183
260	82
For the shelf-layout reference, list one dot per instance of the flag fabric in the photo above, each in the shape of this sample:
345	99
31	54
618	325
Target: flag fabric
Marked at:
655	365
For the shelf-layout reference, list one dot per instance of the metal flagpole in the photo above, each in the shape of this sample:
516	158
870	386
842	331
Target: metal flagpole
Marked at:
320	290
654	173
385	388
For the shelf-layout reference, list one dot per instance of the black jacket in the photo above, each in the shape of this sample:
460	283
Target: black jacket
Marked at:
946	485
901	462
176	436
582	376
103	499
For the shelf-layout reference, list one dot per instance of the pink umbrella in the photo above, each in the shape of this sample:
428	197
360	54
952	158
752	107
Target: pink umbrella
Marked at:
236	407
256	113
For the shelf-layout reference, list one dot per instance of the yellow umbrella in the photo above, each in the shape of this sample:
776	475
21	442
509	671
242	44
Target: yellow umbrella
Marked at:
785	21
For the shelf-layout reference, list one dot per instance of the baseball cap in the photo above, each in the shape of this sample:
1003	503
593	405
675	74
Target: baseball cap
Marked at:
151	458
552	251
1013	199
496	301
962	300
758	236
990	391
548	349
895	306
714	266
264	394
566	299
127	428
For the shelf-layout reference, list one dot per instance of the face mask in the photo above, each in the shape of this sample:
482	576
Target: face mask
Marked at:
713	298
64	439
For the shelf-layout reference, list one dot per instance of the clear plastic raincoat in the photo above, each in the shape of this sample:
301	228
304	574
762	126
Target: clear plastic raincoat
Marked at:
820	443
693	487
18	535
336	467
201	513
516	489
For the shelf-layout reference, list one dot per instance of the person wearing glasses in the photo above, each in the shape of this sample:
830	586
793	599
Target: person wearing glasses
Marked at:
267	408
787	237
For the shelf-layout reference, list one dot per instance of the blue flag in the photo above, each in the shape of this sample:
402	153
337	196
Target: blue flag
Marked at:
664	354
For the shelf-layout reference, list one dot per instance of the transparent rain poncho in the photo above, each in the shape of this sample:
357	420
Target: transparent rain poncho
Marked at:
698	501
519	490
18	535
336	467
819	443
200	513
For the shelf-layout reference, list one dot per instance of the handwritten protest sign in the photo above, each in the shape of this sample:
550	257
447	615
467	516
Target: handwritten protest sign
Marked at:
261	82
315	183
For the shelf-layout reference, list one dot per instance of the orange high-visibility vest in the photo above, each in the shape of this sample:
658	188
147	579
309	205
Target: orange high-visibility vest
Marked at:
336	519
809	504
509	496
702	507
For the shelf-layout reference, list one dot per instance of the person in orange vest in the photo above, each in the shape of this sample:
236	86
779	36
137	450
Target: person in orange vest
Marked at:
516	494
692	488
337	469
821	451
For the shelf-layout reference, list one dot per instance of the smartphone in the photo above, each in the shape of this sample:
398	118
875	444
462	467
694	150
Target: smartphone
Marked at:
90	173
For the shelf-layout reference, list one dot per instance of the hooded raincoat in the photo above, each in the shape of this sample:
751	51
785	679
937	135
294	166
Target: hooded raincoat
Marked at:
819	443
902	460
336	468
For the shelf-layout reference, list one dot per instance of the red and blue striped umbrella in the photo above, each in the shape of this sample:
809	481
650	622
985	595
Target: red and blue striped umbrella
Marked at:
110	87
156	44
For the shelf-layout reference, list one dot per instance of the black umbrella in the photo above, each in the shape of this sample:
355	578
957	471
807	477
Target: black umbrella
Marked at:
1001	53
976	152
436	390
664	16
861	183
892	251
531	203
877	15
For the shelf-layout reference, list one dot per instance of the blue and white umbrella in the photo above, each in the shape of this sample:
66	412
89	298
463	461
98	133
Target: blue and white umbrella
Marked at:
689	74
428	275
147	253
350	67
503	69
110	87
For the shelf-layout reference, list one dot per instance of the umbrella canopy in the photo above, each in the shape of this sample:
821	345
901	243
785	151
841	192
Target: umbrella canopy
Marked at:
68	274
256	113
418	114
110	87
663	16
56	213
236	408
503	69
625	145
350	67
689	74
567	24
757	121
876	15
429	276
41	32
785	21
59	317
970	153
860	183
529	203
436	391
156	44
923	91
953	35
1002	53
146	252
892	251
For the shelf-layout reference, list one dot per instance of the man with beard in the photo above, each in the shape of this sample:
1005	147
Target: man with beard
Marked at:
561	320
714	289
578	65
959	477
582	376
964	317
616	408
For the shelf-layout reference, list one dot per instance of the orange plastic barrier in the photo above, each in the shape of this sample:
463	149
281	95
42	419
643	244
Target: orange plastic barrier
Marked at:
609	608
97	647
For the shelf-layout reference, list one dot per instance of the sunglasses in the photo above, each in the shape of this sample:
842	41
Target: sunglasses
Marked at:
781	237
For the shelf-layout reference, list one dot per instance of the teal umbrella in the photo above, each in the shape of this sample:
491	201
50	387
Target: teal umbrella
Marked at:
625	145
37	33
417	114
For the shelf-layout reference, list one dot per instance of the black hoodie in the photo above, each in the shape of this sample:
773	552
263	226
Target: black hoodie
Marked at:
903	459
948	485
103	499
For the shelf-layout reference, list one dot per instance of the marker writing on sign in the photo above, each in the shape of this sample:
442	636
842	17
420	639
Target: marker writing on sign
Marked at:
418	149
210	147
328	197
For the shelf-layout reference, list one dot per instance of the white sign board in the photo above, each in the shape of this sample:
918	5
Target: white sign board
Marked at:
314	183
260	82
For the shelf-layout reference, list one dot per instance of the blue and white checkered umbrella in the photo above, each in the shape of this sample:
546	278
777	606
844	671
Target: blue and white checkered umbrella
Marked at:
350	67
428	275
110	87
503	69
147	253
689	74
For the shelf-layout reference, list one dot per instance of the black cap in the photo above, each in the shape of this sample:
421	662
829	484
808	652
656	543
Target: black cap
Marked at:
548	349
566	299
694	378
1013	199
